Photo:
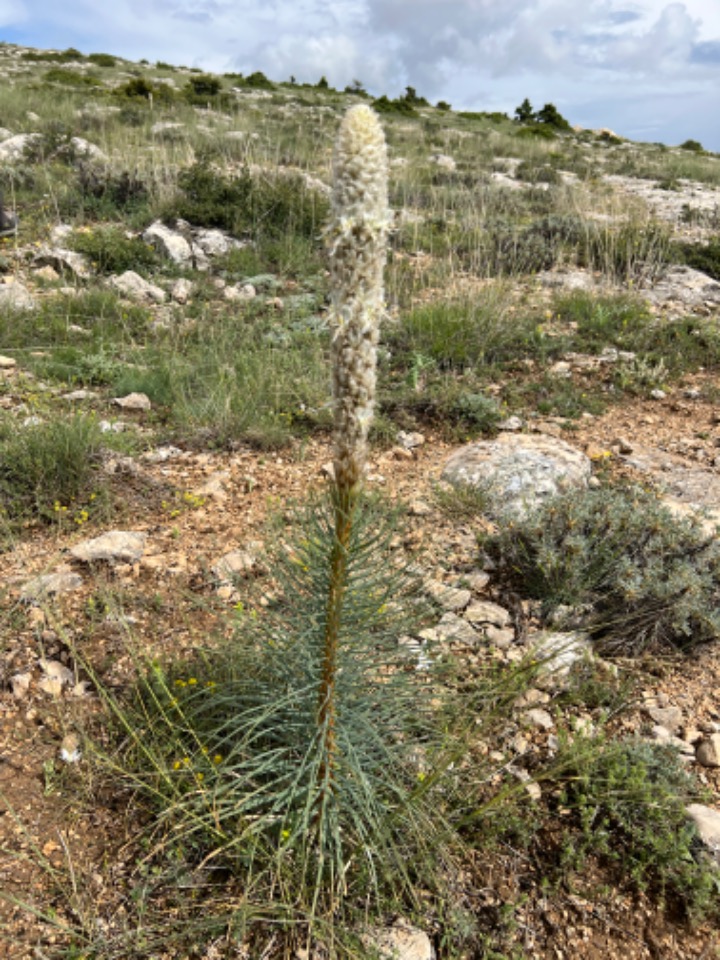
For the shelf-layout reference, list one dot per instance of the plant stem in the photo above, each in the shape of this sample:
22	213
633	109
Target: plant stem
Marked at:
345	503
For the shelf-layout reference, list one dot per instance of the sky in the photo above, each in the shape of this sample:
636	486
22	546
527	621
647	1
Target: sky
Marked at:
647	69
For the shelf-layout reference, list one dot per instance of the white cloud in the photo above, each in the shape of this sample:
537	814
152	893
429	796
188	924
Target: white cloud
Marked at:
479	54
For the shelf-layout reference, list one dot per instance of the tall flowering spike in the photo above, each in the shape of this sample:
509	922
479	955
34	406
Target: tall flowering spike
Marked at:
357	238
357	242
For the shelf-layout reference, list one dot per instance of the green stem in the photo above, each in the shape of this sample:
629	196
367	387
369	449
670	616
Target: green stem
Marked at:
345	502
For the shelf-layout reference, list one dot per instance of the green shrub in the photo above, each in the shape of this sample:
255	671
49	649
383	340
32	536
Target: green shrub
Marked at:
100	193
693	145
72	78
244	204
64	56
647	577
629	798
45	464
700	256
102	59
137	87
258	81
384	105
536	131
459	334
111	251
141	88
205	85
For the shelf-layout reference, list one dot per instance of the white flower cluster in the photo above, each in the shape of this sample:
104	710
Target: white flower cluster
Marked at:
357	243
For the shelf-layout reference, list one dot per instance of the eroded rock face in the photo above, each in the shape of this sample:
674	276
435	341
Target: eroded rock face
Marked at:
519	471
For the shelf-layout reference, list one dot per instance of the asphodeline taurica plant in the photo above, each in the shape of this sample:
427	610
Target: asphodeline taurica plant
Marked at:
357	245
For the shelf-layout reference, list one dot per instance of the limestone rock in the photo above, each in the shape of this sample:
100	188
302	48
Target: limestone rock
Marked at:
539	718
215	243
237	563
116	546
410	440
558	652
519	471
133	401
707	821
16	297
166	127
686	286
400	942
454	628
483	611
55	670
20	684
707	751
240	291
134	287
669	717
443	161
182	290
63	262
449	598
14	148
7	363
50	584
83	148
169	243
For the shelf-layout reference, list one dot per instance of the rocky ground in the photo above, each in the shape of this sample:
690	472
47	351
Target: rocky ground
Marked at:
181	565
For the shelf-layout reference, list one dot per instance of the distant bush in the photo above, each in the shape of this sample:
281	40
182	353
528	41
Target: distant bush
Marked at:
143	88
551	117
204	86
245	205
102	59
65	56
258	80
536	130
98	192
443	105
548	116
384	105
72	78
644	576
111	251
692	145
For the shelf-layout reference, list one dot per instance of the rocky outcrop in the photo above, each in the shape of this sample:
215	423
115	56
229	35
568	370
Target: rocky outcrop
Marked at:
518	472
